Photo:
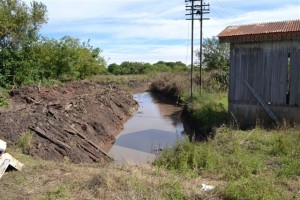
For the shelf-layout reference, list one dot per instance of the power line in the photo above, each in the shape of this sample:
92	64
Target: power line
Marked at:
224	8
221	12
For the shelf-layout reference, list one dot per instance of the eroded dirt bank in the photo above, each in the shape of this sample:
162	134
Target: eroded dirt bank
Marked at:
71	121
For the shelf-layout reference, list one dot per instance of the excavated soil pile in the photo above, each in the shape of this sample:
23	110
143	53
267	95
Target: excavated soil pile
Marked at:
71	121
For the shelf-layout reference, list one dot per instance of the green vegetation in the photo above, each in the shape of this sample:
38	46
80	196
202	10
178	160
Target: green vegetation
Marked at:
216	55
255	164
24	141
26	57
207	109
126	68
3	98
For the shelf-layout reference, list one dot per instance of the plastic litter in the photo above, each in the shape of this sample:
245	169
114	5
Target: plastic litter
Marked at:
206	187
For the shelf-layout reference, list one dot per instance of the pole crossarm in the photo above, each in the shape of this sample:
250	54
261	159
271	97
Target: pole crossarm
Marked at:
197	8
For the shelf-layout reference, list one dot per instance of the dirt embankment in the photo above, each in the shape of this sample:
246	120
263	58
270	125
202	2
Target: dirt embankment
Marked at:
73	120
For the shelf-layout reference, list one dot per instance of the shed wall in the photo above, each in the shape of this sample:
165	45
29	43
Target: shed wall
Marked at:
271	68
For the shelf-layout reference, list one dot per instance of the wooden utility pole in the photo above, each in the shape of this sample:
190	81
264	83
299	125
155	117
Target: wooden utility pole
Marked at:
204	9
196	9
190	6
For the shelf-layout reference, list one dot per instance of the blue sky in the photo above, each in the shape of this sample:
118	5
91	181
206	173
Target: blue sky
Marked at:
153	30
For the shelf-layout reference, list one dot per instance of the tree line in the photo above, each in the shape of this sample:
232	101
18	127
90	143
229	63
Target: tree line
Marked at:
127	67
27	57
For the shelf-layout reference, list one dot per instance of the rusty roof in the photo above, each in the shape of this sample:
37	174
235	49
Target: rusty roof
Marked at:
261	28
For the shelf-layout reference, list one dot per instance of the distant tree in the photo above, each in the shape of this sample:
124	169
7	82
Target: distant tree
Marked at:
144	68
114	68
127	67
215	54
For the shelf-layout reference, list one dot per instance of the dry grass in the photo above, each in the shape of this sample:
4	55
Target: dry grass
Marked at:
51	180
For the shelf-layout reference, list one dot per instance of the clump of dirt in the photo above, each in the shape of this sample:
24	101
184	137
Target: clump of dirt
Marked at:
70	121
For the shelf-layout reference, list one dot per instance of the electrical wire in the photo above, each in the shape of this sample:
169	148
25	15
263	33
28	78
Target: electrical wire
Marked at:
224	8
188	43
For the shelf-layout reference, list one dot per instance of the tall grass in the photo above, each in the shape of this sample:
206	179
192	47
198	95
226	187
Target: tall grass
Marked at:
208	110
256	164
205	110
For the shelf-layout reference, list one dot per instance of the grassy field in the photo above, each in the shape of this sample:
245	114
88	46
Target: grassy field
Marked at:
46	180
254	164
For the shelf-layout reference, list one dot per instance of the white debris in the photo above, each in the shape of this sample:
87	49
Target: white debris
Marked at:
2	146
206	187
7	160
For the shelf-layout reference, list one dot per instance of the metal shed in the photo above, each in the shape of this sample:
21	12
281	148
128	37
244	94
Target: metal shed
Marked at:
264	83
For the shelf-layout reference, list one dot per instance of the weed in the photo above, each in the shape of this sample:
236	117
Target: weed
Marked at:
24	141
59	192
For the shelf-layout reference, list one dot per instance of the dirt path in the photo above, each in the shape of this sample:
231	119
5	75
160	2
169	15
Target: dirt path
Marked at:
71	121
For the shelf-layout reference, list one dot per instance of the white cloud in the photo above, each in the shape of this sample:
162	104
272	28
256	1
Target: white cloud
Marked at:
152	30
154	53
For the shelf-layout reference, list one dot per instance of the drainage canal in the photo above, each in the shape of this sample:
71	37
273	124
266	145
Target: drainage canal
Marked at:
154	126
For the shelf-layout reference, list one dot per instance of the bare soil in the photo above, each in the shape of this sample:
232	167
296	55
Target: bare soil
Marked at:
72	121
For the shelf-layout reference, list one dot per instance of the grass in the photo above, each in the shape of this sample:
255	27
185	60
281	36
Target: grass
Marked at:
47	180
206	109
255	164
24	141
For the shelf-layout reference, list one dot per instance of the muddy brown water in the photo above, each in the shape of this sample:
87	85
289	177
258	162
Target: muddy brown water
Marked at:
155	126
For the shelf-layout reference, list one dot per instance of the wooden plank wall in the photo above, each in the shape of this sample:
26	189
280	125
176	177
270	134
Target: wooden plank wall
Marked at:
264	65
295	75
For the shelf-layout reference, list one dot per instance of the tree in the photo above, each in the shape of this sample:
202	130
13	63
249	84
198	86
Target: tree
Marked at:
67	59
25	57
19	28
215	54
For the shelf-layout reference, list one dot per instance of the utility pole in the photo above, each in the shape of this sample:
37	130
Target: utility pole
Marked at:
196	9
190	7
204	9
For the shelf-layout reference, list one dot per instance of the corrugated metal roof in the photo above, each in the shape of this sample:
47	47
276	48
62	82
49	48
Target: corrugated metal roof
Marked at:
262	28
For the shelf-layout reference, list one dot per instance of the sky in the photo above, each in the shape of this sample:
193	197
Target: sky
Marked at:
153	30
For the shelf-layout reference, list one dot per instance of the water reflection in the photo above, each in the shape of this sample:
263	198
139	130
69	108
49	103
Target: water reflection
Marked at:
155	126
